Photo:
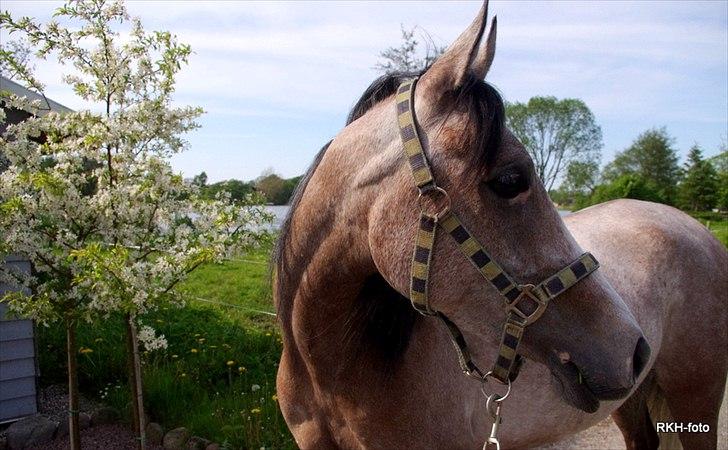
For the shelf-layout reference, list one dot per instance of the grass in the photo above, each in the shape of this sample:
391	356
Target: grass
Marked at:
717	223
191	384
217	377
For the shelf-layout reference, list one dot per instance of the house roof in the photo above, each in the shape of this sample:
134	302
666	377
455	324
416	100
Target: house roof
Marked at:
47	104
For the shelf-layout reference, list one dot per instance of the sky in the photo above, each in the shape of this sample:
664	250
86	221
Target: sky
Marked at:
277	79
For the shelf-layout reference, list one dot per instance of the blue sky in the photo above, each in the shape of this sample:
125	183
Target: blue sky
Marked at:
277	79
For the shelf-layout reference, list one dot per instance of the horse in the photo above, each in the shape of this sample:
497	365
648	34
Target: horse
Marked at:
361	368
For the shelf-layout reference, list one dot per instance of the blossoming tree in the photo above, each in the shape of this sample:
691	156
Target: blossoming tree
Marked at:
90	196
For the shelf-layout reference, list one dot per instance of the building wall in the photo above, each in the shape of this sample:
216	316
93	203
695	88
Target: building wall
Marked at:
18	365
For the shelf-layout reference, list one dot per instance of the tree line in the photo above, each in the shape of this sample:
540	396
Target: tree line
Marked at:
274	189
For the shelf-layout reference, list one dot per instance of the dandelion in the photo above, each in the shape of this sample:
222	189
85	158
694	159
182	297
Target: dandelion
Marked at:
230	363
255	410
194	350
175	356
85	350
241	369
274	397
183	375
201	340
255	387
267	334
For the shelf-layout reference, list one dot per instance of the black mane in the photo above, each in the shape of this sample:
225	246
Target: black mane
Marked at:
381	325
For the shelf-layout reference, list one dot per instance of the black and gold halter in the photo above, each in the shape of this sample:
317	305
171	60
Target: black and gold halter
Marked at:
524	303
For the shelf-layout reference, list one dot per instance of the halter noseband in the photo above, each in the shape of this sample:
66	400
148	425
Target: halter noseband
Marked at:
524	303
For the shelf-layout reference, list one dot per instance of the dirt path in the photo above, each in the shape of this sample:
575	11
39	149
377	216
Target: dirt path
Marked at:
606	436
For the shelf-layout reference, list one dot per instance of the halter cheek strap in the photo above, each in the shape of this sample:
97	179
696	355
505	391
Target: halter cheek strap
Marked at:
524	303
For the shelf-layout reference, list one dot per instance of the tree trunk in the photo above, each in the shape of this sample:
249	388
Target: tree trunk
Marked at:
73	430
135	382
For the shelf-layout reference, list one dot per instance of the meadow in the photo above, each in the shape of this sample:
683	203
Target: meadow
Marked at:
217	377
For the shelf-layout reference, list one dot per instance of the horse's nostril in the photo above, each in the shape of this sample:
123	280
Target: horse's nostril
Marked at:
640	358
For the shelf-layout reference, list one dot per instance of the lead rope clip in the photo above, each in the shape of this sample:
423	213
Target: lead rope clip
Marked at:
493	405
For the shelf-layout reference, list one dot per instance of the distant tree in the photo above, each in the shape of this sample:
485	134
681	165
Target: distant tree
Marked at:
579	183
653	158
630	185
698	190
272	187
406	57
720	162
200	180
238	190
556	133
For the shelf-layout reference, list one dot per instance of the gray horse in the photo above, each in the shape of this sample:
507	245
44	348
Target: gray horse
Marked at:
361	369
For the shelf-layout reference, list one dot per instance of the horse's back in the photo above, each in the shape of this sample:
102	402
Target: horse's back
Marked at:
658	258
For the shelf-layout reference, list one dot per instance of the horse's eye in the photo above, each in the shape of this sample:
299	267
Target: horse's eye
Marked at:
509	183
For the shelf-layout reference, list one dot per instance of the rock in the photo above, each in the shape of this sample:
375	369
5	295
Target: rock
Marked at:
176	439
197	443
104	416
213	446
3	443
31	431
84	421
154	433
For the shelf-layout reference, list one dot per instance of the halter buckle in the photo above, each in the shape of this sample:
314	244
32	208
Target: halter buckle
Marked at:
435	198
527	294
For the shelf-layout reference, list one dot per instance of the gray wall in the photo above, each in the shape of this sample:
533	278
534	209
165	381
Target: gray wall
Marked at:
18	367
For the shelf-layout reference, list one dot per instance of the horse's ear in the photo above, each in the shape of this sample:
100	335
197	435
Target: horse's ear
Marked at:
465	56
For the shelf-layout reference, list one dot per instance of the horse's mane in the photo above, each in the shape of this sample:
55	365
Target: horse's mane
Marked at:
383	321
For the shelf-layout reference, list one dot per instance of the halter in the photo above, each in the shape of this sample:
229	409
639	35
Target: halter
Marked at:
524	303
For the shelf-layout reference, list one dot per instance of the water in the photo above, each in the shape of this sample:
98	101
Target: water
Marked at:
280	211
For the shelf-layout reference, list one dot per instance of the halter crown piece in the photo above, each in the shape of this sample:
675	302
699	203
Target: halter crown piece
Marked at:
524	303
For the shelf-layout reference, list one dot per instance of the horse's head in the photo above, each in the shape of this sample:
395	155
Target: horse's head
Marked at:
587	336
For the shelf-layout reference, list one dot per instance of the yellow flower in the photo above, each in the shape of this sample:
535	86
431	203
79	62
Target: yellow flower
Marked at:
160	321
212	346
175	356
98	339
267	334
194	350
197	334
183	375
255	410
85	350
241	369
230	363
274	397
201	340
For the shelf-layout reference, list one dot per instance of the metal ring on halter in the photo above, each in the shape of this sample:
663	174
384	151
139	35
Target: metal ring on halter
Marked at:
485	380
442	192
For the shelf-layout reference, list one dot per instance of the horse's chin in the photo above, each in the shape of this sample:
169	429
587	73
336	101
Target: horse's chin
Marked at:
572	389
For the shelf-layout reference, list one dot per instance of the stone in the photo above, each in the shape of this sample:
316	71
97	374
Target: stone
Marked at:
213	446
104	416
197	443
84	421
29	432
154	433
176	439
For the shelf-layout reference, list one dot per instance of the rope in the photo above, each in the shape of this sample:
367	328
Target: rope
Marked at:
230	305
